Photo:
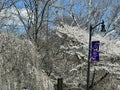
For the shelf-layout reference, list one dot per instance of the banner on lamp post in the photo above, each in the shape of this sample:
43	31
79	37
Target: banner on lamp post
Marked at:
95	51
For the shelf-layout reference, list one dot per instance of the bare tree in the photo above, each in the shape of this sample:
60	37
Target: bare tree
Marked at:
84	12
35	11
7	19
1	5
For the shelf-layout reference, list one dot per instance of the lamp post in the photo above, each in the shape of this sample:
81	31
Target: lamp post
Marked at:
89	53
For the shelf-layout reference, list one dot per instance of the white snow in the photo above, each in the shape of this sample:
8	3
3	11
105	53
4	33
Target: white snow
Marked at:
108	48
118	44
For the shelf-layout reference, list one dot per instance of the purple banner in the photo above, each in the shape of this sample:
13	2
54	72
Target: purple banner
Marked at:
95	51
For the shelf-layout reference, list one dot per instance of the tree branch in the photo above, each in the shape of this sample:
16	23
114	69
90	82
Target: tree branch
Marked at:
98	81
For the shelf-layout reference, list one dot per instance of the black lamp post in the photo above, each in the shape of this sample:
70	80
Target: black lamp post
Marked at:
103	27
90	34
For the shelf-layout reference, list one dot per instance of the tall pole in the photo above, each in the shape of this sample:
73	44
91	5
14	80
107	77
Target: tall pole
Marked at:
60	84
88	68
89	56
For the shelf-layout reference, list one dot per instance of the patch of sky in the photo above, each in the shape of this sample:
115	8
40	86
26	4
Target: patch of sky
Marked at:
119	14
21	30
53	11
77	8
107	14
65	2
20	4
84	12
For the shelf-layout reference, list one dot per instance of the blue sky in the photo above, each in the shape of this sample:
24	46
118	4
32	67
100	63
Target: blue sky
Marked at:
80	7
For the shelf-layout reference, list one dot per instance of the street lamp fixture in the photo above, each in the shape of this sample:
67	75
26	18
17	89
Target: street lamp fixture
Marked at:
89	53
103	27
